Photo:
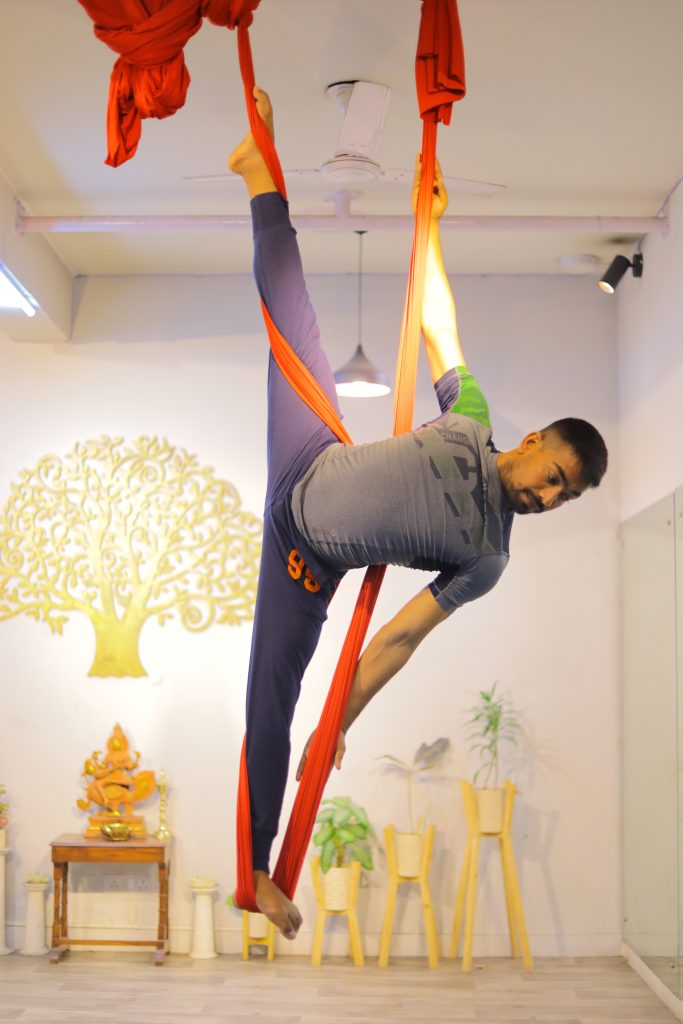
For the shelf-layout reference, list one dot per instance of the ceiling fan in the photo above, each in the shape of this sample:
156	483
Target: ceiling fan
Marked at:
354	162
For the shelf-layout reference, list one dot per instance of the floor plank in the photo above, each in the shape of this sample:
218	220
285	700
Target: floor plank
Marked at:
104	988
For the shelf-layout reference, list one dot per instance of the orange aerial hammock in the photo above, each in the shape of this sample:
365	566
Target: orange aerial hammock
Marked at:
150	80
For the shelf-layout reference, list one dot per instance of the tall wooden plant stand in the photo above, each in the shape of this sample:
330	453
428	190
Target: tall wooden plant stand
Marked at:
349	912
467	889
421	879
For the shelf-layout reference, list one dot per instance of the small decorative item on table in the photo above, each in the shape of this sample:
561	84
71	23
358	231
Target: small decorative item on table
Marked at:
163	832
117	831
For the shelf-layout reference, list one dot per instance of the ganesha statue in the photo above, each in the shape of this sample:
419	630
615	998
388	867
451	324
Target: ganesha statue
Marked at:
114	783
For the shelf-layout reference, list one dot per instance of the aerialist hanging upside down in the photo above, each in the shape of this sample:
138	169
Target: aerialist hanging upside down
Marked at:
440	498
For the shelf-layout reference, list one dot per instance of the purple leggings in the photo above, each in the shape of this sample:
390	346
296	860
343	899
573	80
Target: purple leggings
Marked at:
294	587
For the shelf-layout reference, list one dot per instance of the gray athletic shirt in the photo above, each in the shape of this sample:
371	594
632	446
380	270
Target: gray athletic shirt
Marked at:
430	499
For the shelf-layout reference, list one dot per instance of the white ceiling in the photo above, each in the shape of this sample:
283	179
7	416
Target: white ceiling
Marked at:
575	105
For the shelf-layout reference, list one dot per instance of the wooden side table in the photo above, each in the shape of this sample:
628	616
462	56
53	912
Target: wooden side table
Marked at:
69	849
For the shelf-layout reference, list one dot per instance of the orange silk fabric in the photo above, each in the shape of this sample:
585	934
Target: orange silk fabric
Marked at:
150	79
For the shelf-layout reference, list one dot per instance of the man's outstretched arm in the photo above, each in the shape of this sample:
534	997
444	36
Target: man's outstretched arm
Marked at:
439	324
385	655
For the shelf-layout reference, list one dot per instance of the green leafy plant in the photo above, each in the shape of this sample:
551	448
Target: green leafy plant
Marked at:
344	834
492	723
428	759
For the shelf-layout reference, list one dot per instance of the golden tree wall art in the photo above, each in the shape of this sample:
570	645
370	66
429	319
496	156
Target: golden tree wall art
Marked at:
123	533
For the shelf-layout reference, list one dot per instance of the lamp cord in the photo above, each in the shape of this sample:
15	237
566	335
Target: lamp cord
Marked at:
360	283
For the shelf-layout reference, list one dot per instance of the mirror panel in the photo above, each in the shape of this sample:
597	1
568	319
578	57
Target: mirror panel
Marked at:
650	731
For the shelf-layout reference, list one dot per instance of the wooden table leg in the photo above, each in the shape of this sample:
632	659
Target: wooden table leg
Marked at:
55	952
162	932
60	920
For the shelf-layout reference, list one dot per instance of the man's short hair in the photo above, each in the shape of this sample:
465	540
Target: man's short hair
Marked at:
587	444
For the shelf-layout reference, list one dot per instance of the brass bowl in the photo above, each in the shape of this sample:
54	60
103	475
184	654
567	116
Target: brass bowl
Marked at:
116	831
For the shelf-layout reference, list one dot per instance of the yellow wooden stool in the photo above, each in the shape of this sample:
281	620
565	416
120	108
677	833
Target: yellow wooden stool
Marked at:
467	889
267	940
422	879
348	911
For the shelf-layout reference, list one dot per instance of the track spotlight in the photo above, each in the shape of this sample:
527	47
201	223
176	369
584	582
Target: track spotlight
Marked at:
616	270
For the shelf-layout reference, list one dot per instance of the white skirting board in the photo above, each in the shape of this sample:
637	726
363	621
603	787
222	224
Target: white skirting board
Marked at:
671	1001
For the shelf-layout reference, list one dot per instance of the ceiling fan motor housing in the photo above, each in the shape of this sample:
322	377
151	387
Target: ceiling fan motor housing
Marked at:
351	168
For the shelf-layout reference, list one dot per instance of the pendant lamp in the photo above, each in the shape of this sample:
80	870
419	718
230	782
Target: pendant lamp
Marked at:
360	378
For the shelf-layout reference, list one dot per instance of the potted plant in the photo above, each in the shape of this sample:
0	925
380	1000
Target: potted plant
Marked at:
427	760
492	723
344	835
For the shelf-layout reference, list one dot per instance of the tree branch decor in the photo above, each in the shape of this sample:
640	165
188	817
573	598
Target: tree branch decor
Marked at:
123	533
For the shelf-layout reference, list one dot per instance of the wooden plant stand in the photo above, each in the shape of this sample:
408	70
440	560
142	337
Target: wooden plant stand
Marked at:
267	940
69	849
422	879
355	944
467	889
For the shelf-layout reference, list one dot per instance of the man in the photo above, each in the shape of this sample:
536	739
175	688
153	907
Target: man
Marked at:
440	498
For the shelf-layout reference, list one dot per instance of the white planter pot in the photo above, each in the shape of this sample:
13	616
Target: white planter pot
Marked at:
491	804
336	884
258	926
408	854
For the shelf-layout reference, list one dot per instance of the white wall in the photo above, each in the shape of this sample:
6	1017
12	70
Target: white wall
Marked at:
650	317
185	359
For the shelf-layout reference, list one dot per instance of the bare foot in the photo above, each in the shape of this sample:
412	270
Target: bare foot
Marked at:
246	157
272	902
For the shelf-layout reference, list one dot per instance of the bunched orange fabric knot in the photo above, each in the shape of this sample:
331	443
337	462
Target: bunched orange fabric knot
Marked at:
440	61
150	78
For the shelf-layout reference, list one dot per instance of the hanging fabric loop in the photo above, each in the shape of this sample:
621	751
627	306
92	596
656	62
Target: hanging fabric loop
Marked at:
150	78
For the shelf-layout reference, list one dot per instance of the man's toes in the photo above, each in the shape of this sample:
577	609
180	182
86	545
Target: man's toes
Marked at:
294	921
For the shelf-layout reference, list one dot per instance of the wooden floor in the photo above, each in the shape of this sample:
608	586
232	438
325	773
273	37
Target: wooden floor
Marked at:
103	988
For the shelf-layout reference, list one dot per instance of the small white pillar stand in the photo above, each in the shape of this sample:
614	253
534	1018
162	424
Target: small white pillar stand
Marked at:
4	850
34	934
203	941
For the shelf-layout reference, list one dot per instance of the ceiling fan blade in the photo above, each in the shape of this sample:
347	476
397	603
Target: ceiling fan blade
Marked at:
398	176
361	132
204	179
208	179
302	172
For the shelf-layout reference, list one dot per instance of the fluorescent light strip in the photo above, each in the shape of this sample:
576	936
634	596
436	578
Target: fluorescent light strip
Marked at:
13	295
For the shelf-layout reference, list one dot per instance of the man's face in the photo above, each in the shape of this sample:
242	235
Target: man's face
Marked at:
541	474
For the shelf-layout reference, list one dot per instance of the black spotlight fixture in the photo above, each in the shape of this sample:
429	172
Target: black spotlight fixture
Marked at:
616	270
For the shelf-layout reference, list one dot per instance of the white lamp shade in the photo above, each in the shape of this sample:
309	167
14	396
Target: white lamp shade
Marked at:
360	378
